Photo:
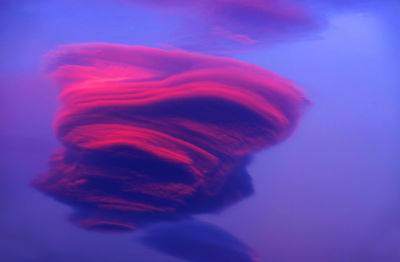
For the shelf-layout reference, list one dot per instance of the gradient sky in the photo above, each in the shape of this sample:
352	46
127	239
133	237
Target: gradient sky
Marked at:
329	193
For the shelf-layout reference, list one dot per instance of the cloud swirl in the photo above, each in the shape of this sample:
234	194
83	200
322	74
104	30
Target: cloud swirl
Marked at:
149	134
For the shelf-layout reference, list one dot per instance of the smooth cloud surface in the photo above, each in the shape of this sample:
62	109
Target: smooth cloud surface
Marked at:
150	135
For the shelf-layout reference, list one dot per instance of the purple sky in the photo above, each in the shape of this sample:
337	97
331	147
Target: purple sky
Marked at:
329	193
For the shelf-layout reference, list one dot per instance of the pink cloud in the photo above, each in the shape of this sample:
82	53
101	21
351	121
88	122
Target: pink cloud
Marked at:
149	134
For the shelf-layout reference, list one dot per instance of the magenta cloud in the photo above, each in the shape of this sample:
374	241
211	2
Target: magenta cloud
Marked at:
149	134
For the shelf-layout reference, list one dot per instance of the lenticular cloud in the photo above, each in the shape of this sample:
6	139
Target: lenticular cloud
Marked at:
149	134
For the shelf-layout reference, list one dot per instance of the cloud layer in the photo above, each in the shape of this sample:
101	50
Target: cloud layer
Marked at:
149	134
223	25
197	241
226	26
